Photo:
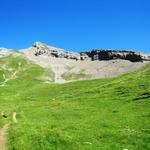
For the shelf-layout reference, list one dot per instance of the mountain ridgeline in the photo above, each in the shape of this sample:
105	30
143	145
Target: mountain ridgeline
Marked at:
95	54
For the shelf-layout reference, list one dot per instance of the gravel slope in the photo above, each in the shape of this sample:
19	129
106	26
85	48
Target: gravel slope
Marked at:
96	69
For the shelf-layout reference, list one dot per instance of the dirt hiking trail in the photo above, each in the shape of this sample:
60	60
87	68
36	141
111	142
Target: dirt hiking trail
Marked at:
3	137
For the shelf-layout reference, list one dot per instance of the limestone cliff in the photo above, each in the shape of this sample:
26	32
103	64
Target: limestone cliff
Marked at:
113	54
95	54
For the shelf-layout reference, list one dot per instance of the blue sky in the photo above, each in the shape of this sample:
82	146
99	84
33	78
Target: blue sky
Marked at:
76	24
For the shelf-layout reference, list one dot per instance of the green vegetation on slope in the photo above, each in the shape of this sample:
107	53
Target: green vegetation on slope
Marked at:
105	114
19	69
75	76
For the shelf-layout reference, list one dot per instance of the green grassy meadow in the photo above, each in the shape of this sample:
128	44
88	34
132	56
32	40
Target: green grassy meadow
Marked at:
101	114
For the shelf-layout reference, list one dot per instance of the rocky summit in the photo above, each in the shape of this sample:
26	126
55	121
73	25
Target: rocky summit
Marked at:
41	49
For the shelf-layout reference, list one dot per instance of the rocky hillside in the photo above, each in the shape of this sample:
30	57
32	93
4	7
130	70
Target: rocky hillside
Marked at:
69	66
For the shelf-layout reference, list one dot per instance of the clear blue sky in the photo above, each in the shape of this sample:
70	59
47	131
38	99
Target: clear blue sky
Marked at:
76	24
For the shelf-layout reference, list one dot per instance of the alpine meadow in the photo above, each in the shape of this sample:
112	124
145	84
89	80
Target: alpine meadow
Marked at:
108	113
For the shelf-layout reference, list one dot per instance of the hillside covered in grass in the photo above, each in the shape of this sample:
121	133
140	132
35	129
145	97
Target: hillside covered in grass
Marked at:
102	114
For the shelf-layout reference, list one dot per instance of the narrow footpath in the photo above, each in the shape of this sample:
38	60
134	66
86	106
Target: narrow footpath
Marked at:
3	137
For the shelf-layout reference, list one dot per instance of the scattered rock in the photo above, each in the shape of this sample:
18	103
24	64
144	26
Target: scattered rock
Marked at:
3	115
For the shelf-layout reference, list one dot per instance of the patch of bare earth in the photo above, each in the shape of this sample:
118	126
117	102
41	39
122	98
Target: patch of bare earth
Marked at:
3	137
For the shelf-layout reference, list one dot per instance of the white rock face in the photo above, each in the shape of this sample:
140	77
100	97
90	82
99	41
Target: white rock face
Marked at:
42	49
95	54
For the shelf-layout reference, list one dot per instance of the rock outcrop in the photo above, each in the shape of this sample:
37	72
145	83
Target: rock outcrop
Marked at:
133	56
41	48
113	54
145	57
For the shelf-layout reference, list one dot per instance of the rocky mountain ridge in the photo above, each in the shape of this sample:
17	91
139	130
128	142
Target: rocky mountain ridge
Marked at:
95	54
42	49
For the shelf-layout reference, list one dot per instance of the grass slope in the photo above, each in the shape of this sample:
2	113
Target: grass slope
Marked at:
105	114
68	76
